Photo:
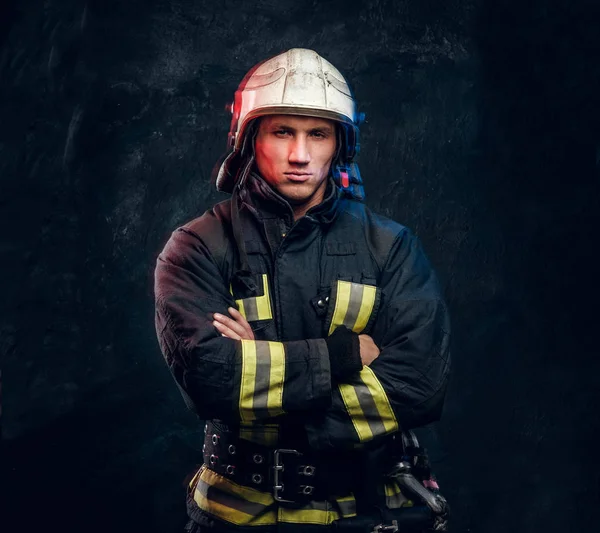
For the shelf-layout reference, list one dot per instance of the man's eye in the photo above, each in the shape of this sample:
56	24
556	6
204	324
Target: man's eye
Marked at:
281	132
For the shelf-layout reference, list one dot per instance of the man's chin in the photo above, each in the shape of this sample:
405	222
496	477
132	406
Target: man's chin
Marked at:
296	201
295	196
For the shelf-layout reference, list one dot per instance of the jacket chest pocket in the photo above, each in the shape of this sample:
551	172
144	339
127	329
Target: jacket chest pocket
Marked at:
353	305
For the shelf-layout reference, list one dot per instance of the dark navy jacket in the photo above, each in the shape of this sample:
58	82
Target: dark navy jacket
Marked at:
340	264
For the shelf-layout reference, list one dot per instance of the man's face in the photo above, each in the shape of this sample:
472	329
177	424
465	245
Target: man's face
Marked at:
294	154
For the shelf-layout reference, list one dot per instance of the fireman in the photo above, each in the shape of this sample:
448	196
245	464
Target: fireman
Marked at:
307	331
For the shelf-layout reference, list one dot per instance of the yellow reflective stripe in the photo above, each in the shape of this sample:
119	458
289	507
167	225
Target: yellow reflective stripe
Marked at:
231	515
342	301
233	503
366	307
265	434
263	374
248	380
354	303
275	392
263	303
241	309
368	406
231	487
347	506
394	497
355	411
256	308
381	400
240	505
192	483
321	513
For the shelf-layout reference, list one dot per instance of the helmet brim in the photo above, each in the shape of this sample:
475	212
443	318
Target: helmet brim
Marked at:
291	110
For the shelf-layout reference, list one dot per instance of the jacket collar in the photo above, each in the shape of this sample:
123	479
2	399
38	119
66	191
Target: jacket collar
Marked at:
264	203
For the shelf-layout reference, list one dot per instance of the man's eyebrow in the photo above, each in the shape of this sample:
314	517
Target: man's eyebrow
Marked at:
280	125
325	129
283	125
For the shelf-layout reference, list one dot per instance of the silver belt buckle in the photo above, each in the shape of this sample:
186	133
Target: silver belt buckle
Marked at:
277	471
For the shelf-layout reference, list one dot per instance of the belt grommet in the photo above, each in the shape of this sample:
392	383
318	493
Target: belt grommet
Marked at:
215	439
231	449
306	490
203	448
213	459
257	458
230	469
257	479
205	429
306	470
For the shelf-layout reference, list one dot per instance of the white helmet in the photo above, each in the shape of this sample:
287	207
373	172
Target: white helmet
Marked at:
296	82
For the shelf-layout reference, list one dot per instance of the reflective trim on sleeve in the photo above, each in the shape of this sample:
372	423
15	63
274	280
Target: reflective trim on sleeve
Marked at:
256	308
368	406
261	387
354	303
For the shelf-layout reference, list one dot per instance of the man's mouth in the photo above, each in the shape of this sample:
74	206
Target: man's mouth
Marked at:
297	176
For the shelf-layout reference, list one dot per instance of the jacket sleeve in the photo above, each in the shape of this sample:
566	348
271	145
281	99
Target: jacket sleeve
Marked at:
405	386
220	377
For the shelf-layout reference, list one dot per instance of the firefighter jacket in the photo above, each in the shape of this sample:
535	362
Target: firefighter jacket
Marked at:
340	264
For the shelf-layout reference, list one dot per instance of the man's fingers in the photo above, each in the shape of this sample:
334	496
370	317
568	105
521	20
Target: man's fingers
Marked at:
240	327
226	332
239	318
235	313
229	323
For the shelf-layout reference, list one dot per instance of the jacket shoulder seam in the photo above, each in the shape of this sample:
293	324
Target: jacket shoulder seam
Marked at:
399	234
361	221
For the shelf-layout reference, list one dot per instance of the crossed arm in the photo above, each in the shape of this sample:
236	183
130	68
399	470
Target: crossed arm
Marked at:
222	373
238	328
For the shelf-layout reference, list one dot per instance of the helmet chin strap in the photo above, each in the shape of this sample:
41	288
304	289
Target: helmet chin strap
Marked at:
247	155
243	280
232	168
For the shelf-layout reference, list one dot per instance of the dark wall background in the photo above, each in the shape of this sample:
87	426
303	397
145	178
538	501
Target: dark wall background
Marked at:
482	135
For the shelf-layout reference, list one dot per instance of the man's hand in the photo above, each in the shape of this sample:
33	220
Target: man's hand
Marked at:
236	328
368	349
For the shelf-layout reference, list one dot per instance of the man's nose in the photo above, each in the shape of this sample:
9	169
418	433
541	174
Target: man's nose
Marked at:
299	152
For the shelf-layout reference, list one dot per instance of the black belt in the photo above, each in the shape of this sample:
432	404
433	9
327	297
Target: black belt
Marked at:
293	476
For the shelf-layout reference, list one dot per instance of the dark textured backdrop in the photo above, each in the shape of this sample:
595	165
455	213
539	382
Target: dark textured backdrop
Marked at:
482	135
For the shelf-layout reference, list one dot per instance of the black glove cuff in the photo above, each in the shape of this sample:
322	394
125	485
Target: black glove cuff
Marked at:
344	353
